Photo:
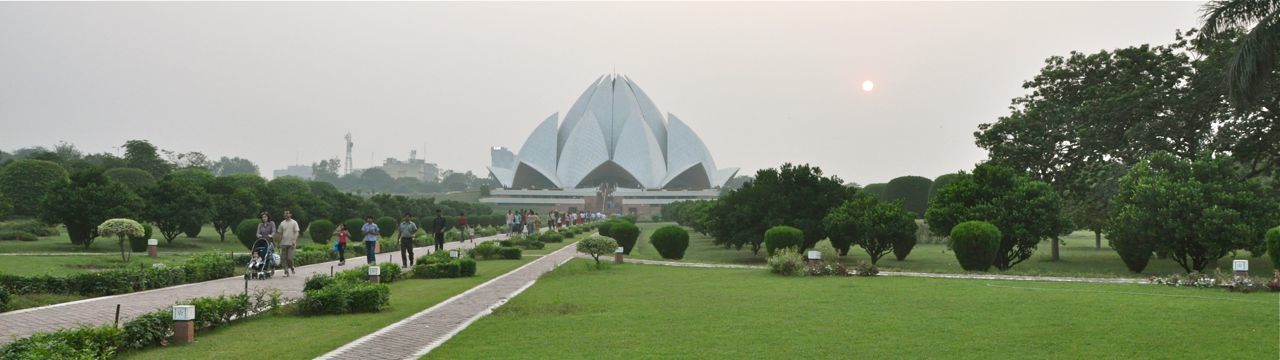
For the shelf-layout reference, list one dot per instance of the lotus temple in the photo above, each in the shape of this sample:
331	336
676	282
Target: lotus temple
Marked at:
614	152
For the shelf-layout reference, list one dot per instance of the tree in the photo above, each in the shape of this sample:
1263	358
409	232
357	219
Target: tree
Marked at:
793	195
913	191
142	155
84	202
122	229
230	166
174	203
890	222
189	160
1026	211
1195	211
231	201
878	190
326	170
597	245
847	224
940	182
25	181
1251	71
135	179
376	180
454	181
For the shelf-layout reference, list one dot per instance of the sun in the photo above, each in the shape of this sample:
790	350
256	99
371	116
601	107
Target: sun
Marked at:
868	85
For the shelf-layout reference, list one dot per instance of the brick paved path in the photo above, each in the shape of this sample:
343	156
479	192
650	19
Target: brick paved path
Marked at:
905	273
101	310
418	334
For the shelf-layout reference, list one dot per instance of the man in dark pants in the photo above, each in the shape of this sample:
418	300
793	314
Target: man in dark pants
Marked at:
438	227
407	229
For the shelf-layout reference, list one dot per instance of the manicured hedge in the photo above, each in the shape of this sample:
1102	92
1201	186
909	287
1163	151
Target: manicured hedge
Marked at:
781	237
626	234
321	231
120	281
347	291
510	253
975	244
671	241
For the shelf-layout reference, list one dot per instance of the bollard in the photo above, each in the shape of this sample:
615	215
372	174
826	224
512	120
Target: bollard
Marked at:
815	258
375	274
617	255
152	250
1240	268
184	327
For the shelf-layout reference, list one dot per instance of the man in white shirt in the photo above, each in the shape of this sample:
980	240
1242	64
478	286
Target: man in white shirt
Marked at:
289	233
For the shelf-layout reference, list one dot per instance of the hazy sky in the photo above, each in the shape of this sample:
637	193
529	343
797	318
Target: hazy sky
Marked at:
761	83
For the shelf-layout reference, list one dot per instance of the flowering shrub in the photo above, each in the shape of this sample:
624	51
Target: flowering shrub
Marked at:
864	268
1220	280
787	262
829	269
122	229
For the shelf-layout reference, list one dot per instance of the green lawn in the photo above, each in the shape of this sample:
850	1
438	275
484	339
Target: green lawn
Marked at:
641	311
207	241
62	265
1079	258
305	337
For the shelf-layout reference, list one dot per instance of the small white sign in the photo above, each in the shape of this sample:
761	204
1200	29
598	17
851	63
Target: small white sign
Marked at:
815	255
184	312
453	254
375	271
153	242
620	250
1240	265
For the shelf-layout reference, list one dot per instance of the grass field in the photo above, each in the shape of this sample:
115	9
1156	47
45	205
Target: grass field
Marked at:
1079	258
640	311
305	337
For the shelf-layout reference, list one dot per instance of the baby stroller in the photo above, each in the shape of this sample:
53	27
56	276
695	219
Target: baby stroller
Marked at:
262	260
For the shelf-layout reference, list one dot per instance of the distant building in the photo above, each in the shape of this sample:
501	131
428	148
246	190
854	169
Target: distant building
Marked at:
415	168
299	171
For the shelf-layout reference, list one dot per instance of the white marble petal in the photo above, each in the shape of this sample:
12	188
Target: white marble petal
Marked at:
584	151
539	150
638	152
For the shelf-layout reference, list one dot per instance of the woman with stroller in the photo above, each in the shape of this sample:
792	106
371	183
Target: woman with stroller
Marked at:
266	229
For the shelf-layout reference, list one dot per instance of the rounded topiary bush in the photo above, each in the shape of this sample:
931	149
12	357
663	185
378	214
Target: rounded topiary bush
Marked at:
192	230
626	234
321	231
387	226
671	241
975	244
782	237
139	243
604	228
551	237
354	225
247	232
1273	246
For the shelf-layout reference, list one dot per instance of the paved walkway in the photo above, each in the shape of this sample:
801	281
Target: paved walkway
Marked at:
101	310
908	274
420	333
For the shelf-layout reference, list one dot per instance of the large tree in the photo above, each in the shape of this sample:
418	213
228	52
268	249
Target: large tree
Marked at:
1026	211
25	181
142	155
230	166
1194	211
87	200
234	198
326	170
135	179
176	202
1251	69
912	191
794	195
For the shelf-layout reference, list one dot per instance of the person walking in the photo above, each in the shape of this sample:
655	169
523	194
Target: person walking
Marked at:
266	229
407	229
289	232
438	227
370	232
462	227
509	223
343	233
515	223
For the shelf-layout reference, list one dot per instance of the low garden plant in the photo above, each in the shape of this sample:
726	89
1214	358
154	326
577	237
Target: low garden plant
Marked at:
626	233
597	245
782	237
975	244
671	241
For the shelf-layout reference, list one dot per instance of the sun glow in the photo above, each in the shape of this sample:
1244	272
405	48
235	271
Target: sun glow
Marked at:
868	85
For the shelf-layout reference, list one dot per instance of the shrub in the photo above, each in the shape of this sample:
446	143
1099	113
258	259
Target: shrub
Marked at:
510	253
780	237
18	235
321	231
327	300
486	250
208	266
568	233
85	342
437	270
975	244
318	282
551	237
354	225
1273	246
671	241
220	310
4	299
31	226
597	245
389	272
605	227
387	227
24	182
139	243
247	232
192	230
626	234
367	297
864	268
147	330
467	267
787	262
506	243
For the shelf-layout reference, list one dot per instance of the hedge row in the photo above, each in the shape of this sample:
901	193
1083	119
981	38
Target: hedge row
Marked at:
199	268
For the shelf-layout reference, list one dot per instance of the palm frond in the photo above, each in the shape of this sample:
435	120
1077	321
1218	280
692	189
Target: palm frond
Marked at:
1224	15
1254	60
